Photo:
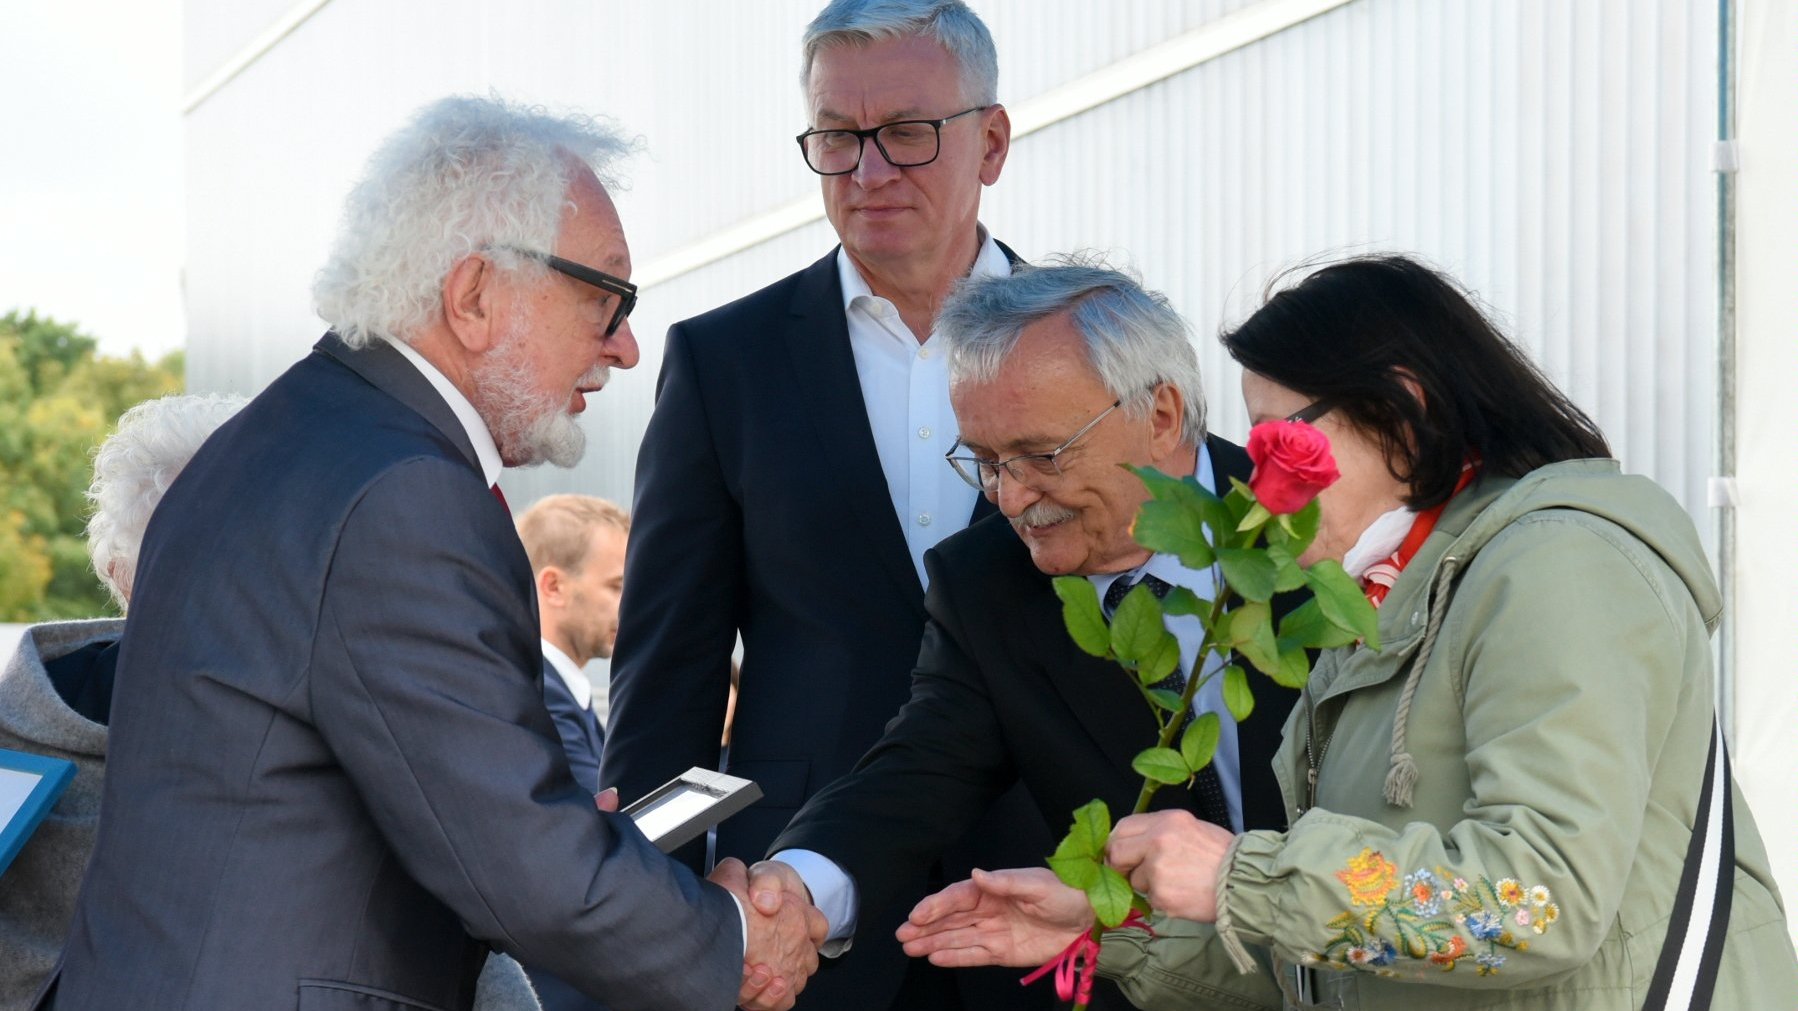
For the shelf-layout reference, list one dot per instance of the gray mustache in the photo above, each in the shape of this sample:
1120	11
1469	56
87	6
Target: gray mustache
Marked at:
1040	515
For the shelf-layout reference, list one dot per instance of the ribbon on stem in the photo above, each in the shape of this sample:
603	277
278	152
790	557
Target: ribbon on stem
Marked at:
1075	966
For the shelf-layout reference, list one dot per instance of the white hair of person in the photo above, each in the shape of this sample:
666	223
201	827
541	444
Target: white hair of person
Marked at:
1133	338
466	174
132	470
949	23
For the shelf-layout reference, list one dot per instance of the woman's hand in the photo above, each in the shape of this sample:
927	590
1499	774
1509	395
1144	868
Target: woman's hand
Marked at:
1173	858
1020	917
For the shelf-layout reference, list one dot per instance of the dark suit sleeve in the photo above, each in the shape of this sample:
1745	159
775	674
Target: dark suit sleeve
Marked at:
424	685
684	573
941	763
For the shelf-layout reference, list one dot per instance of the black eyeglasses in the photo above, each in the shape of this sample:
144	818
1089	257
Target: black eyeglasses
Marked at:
1311	412
1032	470
906	143
626	291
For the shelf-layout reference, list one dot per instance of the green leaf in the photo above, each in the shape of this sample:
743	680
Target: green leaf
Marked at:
1164	699
1306	627
1174	528
1090	831
1182	601
1080	872
1217	515
1080	612
1161	486
1289	575
1295	668
1249	572
1254	519
1303	526
1342	601
1237	695
1199	742
1110	897
1163	765
1080	853
1136	628
1163	657
1252	635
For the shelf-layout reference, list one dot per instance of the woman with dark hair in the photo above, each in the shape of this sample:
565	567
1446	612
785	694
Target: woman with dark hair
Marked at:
1495	809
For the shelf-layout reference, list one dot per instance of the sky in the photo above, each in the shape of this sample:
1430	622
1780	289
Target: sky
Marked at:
91	179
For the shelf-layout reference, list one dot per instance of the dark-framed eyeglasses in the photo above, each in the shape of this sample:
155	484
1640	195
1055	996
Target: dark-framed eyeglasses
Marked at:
626	291
1032	470
905	143
1311	412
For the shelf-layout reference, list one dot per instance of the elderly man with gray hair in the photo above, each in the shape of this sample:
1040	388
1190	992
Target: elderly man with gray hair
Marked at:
336	784
1059	374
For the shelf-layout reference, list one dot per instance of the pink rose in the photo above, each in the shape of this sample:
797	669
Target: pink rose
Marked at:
1292	464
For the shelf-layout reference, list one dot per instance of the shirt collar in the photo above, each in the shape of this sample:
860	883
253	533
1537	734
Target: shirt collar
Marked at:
576	679
485	450
990	261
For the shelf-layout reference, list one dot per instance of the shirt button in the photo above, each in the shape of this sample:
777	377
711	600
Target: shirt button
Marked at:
924	352
923	519
924	433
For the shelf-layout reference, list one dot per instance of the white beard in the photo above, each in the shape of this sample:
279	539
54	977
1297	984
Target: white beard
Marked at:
528	426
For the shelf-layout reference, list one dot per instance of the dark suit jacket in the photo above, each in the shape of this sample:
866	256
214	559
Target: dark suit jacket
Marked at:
761	508
582	737
1002	695
331	781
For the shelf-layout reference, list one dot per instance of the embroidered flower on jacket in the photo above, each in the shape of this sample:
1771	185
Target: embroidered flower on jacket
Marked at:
1510	892
1425	890
1370	878
1425	919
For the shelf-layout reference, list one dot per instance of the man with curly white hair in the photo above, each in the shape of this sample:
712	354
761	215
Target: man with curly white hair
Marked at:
337	782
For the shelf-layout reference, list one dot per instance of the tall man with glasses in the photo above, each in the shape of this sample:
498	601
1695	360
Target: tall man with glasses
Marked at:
1059	375
792	474
331	779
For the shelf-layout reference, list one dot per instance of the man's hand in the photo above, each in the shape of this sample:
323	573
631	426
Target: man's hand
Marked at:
1173	858
784	933
1018	917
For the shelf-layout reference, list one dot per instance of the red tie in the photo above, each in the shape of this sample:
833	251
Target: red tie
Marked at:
502	499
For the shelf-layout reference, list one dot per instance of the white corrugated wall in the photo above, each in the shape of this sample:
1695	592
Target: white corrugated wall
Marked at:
1553	154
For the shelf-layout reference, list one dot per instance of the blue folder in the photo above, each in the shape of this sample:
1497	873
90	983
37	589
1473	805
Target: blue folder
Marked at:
29	786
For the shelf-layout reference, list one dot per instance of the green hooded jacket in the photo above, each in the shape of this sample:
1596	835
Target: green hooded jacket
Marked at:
1503	791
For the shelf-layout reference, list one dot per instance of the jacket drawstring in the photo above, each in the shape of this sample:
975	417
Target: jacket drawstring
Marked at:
1401	778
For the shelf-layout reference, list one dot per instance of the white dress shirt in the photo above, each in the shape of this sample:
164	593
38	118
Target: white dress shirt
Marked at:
1190	631
487	453
484	448
572	675
905	385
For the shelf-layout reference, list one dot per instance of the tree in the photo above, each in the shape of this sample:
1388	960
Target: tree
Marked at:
58	400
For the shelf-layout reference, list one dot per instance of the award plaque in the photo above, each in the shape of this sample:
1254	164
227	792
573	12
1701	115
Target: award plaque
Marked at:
686	806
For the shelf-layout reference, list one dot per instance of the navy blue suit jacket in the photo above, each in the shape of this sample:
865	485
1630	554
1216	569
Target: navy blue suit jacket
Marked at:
582	736
331	780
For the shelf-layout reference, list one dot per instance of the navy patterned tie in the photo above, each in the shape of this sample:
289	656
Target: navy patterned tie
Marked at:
1207	789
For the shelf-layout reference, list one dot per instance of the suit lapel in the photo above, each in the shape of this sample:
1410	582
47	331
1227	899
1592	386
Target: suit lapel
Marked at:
817	342
389	371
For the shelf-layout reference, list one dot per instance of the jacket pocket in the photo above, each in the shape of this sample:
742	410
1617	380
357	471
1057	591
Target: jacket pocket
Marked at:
336	995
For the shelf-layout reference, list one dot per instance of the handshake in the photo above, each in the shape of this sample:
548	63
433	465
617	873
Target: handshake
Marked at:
785	931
